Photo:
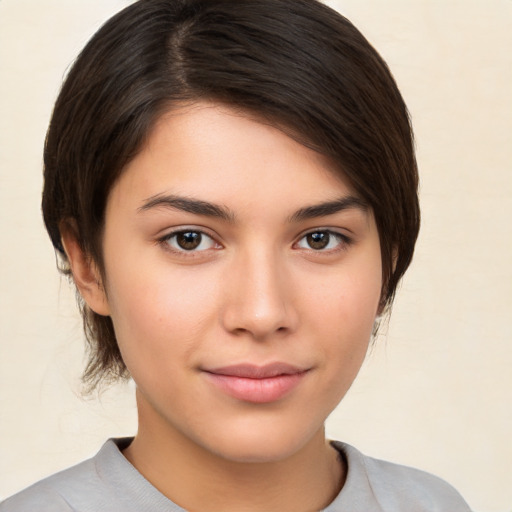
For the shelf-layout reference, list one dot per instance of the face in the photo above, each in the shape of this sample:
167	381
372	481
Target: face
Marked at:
243	278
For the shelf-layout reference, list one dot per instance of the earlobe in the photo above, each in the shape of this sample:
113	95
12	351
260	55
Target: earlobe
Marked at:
85	272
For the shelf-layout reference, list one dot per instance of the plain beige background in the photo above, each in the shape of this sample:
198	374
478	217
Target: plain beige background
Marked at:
435	393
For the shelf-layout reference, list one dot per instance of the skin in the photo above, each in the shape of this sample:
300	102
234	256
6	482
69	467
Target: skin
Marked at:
255	291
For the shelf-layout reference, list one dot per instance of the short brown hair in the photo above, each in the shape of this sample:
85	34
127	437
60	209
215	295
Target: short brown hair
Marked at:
298	63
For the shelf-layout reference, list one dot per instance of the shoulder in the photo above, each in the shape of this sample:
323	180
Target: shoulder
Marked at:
55	493
397	488
77	488
107	482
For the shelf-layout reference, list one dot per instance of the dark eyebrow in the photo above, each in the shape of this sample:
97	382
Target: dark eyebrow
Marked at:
188	204
329	208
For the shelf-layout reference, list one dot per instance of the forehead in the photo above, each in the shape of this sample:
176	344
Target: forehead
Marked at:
214	151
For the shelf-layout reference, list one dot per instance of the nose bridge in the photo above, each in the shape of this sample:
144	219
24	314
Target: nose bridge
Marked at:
259	300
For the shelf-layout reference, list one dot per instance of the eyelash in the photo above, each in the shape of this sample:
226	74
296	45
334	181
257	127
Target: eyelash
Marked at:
166	242
343	241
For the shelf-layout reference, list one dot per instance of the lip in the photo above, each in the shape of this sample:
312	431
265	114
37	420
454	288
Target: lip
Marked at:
257	384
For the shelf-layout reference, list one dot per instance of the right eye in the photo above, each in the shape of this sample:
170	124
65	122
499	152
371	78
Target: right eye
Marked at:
189	240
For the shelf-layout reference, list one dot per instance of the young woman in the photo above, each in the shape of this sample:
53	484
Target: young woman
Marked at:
233	188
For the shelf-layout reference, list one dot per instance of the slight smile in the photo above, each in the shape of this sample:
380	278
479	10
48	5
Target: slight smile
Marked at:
257	384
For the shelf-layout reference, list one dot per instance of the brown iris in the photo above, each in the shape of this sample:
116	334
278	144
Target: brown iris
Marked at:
189	240
318	240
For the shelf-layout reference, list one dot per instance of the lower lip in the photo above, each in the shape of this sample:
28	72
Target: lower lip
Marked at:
258	391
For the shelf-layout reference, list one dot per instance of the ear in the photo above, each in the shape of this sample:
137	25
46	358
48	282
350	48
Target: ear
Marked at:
382	305
86	274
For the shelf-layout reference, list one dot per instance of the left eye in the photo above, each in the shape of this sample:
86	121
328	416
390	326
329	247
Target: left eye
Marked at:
321	240
190	241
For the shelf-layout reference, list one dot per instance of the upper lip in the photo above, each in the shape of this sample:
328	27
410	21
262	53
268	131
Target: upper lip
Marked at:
252	371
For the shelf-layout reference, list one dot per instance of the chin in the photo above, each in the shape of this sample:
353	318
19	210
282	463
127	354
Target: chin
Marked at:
262	443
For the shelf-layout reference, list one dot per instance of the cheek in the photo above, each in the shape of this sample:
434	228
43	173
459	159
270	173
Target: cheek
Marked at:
348	302
159	317
346	308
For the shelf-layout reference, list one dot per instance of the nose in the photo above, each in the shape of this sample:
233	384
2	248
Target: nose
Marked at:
259	297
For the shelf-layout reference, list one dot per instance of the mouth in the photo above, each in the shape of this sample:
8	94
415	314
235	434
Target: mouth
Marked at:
257	384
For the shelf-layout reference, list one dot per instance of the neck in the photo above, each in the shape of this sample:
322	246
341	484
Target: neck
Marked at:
309	479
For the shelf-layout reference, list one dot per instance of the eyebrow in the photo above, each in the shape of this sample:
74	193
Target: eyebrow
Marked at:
329	208
190	205
200	207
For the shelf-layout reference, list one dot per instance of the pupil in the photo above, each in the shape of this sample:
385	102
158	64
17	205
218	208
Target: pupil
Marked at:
318	240
188	240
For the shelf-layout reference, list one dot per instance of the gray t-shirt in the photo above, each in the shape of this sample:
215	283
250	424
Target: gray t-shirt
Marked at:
109	483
